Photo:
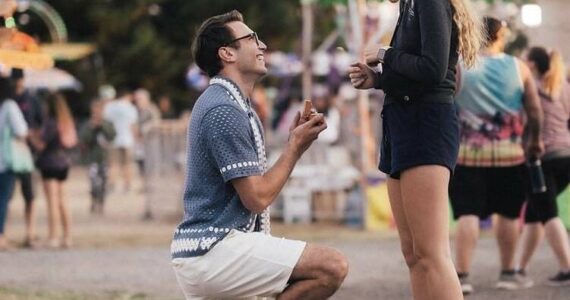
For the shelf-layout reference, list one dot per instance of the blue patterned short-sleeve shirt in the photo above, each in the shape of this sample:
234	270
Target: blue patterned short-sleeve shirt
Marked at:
221	147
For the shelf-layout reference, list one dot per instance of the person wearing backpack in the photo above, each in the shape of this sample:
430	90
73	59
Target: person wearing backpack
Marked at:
96	139
12	127
57	134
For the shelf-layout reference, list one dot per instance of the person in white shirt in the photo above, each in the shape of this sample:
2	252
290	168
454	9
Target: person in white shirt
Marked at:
12	126
123	114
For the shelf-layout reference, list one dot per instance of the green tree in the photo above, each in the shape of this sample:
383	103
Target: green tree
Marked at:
152	50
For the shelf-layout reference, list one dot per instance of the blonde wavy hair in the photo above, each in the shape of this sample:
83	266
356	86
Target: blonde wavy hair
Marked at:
554	78
551	67
469	26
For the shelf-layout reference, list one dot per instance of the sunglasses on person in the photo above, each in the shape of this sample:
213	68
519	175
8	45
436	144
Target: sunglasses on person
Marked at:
252	35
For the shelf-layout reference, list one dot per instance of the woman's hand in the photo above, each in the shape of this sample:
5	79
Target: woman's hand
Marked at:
371	55
361	76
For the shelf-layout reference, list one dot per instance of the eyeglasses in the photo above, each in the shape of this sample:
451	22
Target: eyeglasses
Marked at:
7	22
252	35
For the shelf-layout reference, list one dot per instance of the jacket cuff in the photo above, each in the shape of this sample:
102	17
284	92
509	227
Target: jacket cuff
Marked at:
388	56
377	81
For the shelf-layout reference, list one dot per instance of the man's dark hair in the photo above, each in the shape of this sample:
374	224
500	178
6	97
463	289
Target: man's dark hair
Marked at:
210	37
492	27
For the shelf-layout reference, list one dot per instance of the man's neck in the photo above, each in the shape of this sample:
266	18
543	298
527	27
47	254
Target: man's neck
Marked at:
244	83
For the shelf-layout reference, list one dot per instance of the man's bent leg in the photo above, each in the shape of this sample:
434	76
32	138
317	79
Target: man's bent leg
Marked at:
318	274
242	265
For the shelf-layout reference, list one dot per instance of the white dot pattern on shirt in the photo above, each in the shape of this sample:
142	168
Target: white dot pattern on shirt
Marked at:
236	96
218	136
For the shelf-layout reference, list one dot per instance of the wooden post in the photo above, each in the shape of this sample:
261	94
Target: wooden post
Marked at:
307	9
357	11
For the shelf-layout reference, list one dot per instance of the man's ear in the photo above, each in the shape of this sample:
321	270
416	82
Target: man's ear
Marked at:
227	54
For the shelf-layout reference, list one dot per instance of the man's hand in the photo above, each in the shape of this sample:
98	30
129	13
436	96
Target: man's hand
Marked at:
361	76
304	133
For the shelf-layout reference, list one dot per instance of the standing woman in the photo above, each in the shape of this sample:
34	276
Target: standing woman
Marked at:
420	130
12	126
54	163
542	211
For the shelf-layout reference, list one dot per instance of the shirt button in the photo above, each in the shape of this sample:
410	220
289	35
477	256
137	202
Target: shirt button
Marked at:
406	98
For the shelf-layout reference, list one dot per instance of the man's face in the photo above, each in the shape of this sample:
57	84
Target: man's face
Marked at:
250	55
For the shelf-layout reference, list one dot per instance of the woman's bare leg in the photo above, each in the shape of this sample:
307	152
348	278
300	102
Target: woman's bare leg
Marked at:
424	192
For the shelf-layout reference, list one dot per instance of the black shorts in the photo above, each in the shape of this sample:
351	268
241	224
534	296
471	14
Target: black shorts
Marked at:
59	175
418	133
542	207
482	191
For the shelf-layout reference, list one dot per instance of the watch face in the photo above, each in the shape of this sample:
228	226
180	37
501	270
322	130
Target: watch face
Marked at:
381	54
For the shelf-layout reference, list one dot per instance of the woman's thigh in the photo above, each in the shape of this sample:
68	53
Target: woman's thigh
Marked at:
424	191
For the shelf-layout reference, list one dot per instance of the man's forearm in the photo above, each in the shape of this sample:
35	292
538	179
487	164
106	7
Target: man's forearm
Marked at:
273	181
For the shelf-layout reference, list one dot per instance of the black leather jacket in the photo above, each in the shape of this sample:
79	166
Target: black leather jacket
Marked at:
421	63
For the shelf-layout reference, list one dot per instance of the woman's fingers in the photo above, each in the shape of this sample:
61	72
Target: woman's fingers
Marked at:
356	82
357	75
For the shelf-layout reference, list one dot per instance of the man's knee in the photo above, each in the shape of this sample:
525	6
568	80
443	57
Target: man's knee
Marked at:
338	268
325	264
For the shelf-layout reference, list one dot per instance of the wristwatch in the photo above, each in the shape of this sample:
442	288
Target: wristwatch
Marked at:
382	53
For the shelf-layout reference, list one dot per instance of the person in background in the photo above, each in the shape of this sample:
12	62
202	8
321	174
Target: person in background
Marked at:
54	163
323	102
286	110
96	140
12	126
124	116
260	104
491	175
30	106
149	119
165	107
541	215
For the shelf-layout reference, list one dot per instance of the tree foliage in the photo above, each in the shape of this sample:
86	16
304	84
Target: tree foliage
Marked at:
141	49
332	2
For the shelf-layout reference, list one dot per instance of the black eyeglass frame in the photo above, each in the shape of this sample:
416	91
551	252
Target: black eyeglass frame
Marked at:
249	35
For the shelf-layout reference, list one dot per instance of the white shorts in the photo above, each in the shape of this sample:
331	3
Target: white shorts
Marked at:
241	266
